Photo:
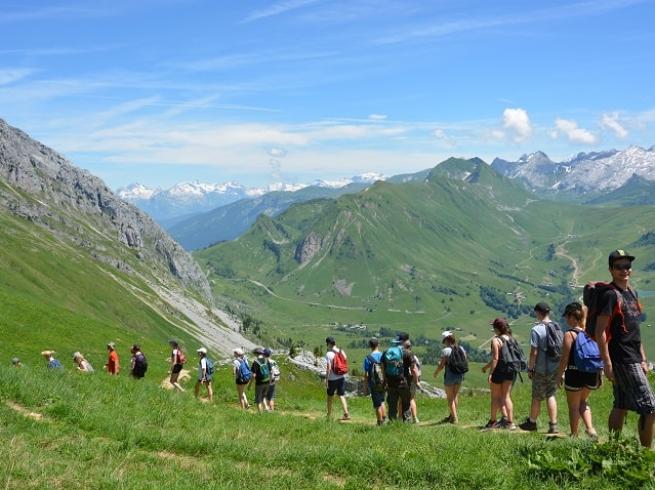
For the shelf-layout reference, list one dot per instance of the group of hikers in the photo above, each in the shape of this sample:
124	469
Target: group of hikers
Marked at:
603	336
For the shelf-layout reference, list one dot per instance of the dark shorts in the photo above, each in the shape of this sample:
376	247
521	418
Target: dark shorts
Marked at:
632	390
270	394
498	377
336	385
451	379
377	397
260	392
575	380
177	368
242	382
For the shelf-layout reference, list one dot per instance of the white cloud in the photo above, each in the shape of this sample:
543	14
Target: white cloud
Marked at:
610	121
518	122
574	133
11	75
497	134
377	117
277	152
444	138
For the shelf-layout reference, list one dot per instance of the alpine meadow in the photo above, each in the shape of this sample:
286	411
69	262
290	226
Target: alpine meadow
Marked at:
327	244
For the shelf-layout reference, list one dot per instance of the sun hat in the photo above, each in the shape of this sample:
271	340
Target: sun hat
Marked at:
15	361
201	350
446	333
238	352
111	345
77	355
48	353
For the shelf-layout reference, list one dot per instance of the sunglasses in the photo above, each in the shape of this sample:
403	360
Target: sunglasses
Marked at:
622	267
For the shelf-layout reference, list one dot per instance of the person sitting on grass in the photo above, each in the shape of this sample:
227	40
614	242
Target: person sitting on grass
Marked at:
113	366
501	380
205	374
261	373
242	376
16	362
578	384
452	381
374	380
81	364
52	362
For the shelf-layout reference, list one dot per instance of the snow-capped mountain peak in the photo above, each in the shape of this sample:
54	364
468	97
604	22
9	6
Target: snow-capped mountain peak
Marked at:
136	191
366	178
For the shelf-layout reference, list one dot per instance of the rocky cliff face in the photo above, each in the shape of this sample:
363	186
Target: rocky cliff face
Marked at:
45	188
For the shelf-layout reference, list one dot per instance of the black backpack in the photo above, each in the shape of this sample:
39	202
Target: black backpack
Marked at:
512	360
554	340
592	297
140	365
457	361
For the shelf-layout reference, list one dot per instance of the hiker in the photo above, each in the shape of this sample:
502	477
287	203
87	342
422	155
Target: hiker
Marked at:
374	380
177	360
261	373
414	382
454	364
16	362
618	335
275	377
335	376
81	364
52	362
398	368
205	374
139	364
113	365
578	381
242	375
502	376
545	348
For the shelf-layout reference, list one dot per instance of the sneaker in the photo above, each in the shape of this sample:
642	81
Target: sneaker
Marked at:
446	420
346	416
552	428
593	435
453	420
528	425
490	424
415	420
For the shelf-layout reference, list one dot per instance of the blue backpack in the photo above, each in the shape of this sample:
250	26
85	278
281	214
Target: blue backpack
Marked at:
244	374
586	355
393	365
210	367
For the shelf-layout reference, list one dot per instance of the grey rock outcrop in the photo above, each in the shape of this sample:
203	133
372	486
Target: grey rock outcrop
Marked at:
309	247
75	205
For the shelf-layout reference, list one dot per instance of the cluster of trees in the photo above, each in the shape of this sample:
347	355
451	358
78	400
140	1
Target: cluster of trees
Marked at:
496	299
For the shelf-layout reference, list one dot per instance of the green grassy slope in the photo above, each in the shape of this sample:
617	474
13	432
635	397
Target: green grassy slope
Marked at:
54	296
103	432
414	256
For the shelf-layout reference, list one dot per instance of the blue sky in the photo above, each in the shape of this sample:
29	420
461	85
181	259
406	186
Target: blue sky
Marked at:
161	91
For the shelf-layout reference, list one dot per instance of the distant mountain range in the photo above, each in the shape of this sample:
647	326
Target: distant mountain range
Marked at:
583	173
167	206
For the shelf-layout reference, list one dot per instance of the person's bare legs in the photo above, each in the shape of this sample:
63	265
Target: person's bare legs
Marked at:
616	420
645	428
551	404
344	404
496	400
506	392
329	406
573	399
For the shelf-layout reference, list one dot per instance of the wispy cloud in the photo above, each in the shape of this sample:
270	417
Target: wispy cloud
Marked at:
439	28
11	75
611	122
231	61
277	9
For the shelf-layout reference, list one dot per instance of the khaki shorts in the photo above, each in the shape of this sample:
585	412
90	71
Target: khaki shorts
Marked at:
544	386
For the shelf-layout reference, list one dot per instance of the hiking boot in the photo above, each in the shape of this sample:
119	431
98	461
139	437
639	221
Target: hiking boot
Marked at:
490	424
528	425
552	428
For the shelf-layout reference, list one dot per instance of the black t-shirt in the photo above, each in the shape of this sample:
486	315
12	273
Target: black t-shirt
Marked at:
257	372
408	362
625	344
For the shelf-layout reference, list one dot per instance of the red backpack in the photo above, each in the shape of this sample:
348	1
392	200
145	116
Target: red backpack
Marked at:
340	363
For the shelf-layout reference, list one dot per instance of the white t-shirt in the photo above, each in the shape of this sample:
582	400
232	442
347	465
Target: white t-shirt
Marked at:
203	363
447	351
329	357
174	355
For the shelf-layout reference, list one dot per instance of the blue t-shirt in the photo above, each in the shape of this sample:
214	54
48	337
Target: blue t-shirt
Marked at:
368	365
54	364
